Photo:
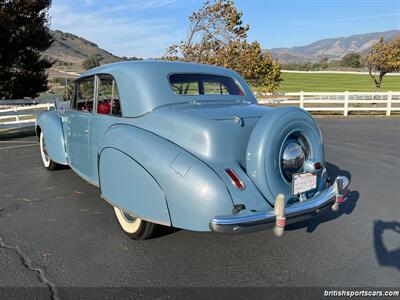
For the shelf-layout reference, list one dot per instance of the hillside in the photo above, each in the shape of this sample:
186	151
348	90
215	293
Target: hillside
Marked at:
71	50
333	48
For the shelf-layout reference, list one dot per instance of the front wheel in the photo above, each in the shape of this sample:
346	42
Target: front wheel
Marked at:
48	163
134	227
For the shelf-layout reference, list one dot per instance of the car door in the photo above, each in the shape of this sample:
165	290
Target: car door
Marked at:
106	113
78	126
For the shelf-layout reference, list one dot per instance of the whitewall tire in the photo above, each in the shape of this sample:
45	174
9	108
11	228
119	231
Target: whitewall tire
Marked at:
48	163
135	227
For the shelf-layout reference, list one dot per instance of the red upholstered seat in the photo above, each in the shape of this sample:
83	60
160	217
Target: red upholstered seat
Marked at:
103	108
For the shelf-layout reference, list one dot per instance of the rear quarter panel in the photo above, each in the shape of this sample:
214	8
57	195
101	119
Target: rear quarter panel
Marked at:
193	192
127	185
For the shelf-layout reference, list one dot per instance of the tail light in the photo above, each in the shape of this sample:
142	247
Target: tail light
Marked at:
235	179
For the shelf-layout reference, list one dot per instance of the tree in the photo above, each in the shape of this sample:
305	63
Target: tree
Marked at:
132	58
352	59
92	62
323	63
383	58
258	68
68	91
217	36
24	35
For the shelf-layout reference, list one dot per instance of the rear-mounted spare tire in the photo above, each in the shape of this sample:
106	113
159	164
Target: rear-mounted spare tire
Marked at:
279	128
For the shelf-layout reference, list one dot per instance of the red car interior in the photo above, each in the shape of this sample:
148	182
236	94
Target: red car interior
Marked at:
104	108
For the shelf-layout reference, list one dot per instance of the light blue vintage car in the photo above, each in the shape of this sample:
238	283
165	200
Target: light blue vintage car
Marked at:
186	145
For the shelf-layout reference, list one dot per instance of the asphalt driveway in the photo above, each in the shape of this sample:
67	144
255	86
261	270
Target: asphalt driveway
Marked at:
55	231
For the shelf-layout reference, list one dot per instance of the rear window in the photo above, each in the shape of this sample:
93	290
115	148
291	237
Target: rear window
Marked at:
204	84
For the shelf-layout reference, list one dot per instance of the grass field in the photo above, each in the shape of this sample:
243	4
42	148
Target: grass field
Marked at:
317	82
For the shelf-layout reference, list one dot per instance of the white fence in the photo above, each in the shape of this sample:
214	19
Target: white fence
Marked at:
335	72
345	102
23	112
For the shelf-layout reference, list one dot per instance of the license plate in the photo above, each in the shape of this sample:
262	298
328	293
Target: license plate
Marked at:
303	182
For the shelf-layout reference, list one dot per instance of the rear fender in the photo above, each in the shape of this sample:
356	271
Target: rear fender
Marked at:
128	186
190	191
50	123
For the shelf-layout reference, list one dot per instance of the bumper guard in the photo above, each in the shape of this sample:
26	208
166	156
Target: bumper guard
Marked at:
332	197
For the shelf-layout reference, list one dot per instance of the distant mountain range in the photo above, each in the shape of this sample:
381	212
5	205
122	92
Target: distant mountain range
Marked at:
71	50
333	48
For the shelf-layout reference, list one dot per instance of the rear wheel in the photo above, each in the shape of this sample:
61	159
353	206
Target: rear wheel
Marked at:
48	163
134	227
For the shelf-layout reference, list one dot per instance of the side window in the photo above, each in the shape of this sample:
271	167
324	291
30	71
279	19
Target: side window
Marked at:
108	97
215	87
84	94
186	87
204	84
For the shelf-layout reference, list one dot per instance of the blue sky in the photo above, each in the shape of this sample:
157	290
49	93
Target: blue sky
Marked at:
145	28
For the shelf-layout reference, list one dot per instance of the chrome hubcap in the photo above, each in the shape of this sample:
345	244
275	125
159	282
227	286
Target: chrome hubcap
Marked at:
295	151
292	159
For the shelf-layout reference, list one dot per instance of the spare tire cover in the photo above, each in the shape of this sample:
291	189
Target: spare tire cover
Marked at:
263	159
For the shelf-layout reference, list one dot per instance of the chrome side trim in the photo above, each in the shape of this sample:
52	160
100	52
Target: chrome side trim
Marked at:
264	220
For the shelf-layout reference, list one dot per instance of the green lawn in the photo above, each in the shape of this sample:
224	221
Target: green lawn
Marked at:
317	82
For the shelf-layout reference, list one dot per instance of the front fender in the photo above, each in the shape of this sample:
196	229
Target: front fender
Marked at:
193	192
50	123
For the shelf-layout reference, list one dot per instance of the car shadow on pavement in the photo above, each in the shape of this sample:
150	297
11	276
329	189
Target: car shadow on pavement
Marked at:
14	133
164	231
385	256
328	215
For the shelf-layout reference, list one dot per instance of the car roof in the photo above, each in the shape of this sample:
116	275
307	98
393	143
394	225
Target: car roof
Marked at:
143	85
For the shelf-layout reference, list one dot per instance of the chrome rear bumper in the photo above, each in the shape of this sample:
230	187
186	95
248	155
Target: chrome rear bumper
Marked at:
297	212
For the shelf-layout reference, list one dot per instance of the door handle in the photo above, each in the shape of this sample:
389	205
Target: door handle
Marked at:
86	131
